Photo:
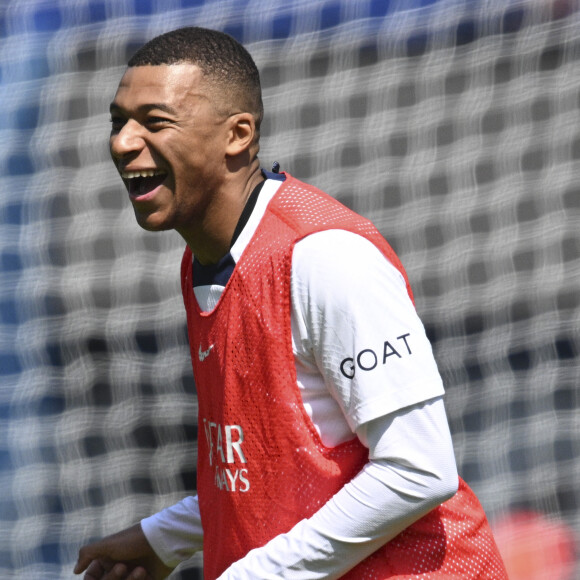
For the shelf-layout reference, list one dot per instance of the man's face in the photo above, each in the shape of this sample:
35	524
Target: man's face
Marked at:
168	143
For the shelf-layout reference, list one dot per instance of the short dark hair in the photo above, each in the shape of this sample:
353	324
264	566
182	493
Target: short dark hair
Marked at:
221	58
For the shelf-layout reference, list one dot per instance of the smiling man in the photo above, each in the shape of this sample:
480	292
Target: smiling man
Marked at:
186	148
324	448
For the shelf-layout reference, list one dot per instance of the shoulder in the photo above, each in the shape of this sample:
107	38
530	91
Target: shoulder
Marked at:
344	257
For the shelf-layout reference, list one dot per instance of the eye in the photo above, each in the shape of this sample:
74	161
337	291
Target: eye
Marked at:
157	122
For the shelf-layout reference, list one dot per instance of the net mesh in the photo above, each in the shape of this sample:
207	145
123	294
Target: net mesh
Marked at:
453	124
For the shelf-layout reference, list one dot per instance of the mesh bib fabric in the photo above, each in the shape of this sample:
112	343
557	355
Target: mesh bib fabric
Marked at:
261	465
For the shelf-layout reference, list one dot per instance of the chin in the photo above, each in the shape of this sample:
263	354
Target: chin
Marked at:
151	224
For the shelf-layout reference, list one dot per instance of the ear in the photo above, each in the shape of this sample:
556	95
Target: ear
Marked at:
242	133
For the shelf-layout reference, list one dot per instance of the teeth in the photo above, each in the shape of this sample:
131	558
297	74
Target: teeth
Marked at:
146	173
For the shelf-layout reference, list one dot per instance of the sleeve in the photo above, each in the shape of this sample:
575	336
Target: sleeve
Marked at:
354	321
175	533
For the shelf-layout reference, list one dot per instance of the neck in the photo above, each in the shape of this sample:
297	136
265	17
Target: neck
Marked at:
210	239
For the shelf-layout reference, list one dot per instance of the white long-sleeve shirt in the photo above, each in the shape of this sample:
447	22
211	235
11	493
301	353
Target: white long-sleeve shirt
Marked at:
364	369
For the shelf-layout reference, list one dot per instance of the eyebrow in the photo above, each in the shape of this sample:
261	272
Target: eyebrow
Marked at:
145	108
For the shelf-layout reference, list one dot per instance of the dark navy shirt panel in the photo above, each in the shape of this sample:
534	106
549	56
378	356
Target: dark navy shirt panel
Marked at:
218	274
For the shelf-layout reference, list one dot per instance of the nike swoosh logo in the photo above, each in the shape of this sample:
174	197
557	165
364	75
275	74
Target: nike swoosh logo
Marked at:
203	354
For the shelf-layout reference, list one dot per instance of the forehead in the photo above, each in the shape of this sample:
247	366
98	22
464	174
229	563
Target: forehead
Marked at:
174	85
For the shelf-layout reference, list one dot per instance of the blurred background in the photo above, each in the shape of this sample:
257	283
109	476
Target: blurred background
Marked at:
453	124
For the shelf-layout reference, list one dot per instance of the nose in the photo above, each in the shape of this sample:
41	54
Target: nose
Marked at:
127	140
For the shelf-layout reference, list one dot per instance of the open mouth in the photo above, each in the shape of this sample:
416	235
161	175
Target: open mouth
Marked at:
141	183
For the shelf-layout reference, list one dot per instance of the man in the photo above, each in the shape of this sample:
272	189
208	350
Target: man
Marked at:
324	448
